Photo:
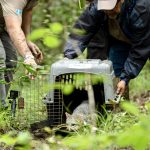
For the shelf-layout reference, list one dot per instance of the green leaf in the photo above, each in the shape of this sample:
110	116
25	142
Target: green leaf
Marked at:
38	67
25	79
96	79
38	34
56	28
67	89
30	69
51	41
3	82
130	108
24	138
79	31
7	139
136	136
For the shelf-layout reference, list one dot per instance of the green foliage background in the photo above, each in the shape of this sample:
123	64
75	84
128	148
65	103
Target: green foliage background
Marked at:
64	12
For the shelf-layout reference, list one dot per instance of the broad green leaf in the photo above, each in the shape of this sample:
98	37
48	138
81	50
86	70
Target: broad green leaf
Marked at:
38	34
7	139
38	67
56	28
51	41
130	108
67	89
24	138
96	79
136	136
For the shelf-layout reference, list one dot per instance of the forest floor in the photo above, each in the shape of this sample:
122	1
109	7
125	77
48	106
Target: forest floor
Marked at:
46	139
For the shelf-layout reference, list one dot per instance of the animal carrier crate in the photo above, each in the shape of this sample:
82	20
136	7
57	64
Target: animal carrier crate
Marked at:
73	72
43	101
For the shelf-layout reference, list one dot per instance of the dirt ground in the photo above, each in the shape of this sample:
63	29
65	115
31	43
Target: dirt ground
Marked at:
142	98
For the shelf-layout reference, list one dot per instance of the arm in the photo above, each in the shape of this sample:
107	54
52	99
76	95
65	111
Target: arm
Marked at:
18	38
17	35
27	16
140	31
12	17
84	29
26	27
26	21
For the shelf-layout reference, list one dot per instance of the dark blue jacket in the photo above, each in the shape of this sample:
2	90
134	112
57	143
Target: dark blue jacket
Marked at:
134	21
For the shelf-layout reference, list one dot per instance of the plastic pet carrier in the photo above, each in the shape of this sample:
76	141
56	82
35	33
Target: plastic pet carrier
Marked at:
74	72
44	101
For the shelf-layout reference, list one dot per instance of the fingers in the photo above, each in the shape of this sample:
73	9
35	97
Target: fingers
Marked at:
118	90
37	49
37	53
33	49
121	87
39	57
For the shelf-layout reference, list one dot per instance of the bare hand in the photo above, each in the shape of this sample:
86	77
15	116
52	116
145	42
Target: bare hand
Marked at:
29	60
121	86
35	51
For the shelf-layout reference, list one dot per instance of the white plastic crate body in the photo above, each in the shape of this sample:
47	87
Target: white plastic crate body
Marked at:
89	66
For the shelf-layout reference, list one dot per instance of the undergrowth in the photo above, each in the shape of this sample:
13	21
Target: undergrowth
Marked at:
126	129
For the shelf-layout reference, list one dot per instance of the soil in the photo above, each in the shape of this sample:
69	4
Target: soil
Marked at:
142	98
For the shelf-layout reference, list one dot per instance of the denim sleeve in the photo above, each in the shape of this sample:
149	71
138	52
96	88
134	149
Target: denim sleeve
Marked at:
83	31
140	38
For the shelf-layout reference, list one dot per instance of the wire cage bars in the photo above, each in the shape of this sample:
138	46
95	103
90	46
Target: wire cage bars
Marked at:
26	102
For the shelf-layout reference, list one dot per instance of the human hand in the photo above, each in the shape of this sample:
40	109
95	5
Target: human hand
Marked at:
121	86
35	51
30	66
29	60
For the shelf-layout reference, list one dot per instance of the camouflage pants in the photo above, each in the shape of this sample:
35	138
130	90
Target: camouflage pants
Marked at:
7	53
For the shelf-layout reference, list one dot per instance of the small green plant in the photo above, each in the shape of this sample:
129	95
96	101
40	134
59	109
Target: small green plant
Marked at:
49	35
